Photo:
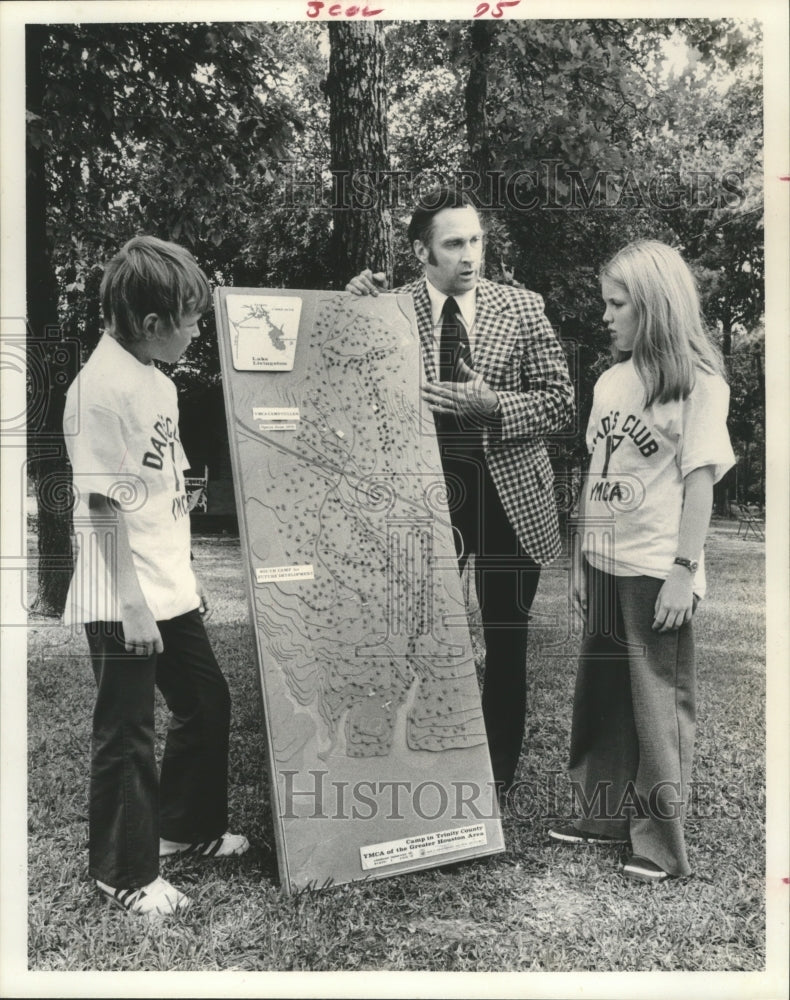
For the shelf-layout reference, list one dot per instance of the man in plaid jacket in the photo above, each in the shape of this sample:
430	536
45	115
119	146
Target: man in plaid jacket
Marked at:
507	388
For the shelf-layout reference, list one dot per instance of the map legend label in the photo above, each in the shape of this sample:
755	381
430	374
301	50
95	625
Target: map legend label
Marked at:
278	574
276	418
272	414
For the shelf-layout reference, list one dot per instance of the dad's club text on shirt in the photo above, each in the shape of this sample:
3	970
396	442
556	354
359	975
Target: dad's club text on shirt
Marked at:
163	440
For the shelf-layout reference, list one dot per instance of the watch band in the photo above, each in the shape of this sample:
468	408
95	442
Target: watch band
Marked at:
690	564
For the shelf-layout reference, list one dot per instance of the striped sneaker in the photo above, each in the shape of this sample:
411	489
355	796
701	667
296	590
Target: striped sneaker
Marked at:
158	898
229	845
569	834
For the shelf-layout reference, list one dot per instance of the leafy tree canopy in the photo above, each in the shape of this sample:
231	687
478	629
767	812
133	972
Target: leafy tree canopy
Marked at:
217	135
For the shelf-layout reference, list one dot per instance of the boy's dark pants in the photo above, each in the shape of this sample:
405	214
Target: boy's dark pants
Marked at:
129	807
634	717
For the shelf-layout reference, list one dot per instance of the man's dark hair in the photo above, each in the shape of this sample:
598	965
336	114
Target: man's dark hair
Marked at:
429	205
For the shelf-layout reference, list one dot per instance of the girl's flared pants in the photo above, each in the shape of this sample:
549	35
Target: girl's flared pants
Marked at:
634	717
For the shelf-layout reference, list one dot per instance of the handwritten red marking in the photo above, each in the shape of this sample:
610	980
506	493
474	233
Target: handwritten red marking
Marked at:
314	8
483	8
784	178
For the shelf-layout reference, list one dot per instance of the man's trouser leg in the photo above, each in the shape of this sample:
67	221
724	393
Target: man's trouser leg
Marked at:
506	580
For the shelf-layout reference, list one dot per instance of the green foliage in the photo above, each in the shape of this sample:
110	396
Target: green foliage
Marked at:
747	415
217	136
168	129
709	151
134	109
614	142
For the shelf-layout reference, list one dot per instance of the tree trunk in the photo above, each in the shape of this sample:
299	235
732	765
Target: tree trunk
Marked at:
362	225
49	364
726	340
481	34
478	140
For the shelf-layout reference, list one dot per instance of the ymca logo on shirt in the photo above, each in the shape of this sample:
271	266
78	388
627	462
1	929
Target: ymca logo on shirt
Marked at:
165	447
612	432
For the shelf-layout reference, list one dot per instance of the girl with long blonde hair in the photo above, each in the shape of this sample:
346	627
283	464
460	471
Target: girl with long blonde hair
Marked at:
658	442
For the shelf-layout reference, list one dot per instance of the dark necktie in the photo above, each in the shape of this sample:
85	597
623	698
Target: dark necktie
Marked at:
453	343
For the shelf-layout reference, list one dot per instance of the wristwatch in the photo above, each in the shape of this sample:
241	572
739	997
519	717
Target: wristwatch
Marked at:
691	565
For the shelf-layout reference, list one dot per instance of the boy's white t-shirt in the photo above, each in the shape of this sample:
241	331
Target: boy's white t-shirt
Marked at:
634	488
121	430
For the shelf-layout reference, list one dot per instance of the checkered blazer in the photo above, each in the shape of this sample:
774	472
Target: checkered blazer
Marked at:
517	353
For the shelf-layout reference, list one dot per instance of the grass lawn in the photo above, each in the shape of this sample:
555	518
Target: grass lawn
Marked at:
535	907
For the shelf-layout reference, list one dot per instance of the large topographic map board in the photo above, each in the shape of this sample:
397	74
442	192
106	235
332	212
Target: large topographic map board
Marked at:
377	751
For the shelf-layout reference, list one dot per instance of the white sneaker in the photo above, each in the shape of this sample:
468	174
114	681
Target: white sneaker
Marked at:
229	845
158	898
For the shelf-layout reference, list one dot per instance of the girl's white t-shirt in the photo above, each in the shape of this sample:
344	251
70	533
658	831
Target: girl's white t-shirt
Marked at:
121	430
639	458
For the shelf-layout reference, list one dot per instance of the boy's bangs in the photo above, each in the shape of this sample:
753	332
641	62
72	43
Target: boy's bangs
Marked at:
195	293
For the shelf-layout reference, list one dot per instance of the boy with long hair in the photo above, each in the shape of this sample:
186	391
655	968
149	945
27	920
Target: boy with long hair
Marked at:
136	594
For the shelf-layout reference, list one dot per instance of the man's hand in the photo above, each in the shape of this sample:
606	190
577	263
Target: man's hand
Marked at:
675	601
368	283
140	632
473	397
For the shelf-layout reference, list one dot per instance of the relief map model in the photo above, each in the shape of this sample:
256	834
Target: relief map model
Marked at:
356	598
